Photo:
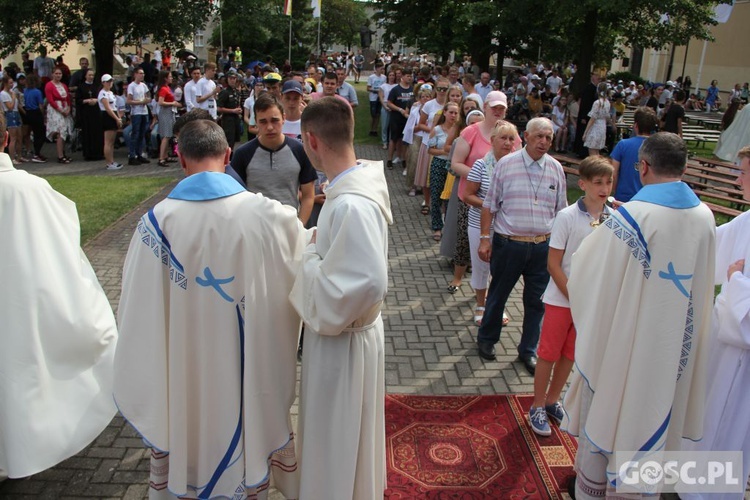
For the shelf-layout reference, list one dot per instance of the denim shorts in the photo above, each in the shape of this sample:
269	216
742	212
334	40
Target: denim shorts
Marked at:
12	119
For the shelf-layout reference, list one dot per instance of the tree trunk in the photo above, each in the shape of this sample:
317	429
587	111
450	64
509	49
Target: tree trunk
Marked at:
502	47
480	46
104	45
586	53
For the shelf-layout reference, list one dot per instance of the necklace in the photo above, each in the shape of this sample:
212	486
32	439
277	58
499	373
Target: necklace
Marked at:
541	178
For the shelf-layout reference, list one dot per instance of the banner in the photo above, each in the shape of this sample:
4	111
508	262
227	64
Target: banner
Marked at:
315	6
287	7
723	11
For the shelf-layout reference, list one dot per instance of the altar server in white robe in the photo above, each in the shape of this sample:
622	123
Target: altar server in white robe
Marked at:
206	368
339	293
641	289
727	422
57	330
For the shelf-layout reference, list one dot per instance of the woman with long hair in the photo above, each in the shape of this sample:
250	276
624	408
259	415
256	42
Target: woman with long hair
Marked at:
559	118
167	107
440	163
110	119
89	118
59	113
595	135
424	93
11	105
418	181
503	138
385	113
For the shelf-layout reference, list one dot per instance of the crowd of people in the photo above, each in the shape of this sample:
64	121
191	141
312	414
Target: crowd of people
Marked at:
617	289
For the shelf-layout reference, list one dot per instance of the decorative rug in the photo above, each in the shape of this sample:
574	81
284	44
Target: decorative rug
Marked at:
472	447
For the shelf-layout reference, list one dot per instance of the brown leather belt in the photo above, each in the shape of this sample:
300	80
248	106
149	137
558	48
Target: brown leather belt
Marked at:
527	239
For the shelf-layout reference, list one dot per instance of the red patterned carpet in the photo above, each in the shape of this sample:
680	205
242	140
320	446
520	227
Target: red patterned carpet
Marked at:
472	447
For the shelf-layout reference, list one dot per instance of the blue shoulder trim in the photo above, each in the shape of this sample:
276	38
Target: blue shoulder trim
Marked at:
206	186
668	194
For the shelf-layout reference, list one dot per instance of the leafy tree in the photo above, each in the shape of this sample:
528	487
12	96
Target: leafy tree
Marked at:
340	22
54	23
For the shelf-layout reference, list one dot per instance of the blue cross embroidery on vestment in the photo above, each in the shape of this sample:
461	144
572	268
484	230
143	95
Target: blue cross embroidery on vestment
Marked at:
676	278
215	283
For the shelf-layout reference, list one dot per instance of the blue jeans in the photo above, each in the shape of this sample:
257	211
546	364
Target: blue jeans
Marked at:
139	124
511	260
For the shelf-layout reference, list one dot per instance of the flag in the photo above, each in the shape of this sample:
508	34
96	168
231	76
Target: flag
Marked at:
287	7
315	6
723	11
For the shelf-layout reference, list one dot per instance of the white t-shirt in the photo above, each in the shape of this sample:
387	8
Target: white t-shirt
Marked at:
374	82
248	105
386	88
6	97
189	90
430	108
554	83
292	129
137	92
206	87
110	97
572	225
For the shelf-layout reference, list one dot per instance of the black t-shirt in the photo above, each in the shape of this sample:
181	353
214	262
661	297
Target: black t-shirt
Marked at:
674	113
401	97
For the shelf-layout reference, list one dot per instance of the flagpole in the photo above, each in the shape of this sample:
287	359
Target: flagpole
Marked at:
319	35
290	39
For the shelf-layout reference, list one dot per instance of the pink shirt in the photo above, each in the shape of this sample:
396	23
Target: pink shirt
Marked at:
478	148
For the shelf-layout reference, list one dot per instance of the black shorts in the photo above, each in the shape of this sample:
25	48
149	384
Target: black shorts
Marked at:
396	124
108	123
375	107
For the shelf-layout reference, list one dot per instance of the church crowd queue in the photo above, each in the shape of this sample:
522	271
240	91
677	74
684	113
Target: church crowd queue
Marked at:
616	291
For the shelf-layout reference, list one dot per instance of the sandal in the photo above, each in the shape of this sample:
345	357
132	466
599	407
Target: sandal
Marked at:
506	319
162	163
63	159
452	288
478	317
425	210
437	236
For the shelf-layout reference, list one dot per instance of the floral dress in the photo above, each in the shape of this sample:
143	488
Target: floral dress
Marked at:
597	134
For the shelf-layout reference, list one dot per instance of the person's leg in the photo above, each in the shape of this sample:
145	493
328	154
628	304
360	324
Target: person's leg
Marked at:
109	142
163	153
506	265
132	138
37	125
559	378
535	278
141	125
593	152
462	255
438	172
567	354
12	144
60	143
384	126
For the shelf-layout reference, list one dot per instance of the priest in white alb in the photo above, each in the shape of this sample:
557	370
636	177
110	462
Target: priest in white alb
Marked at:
641	290
727	423
339	293
57	330
206	368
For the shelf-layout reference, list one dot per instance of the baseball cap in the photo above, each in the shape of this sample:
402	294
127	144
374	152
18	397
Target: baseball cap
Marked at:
19	76
292	86
535	77
496	98
106	77
272	77
670	83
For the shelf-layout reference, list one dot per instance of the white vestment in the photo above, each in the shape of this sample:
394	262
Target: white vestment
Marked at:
641	287
206	367
339	294
727	421
57	330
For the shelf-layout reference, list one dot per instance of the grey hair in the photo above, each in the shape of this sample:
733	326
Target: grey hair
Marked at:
539	123
201	139
666	153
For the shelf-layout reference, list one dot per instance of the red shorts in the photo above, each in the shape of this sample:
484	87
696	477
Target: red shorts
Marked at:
558	335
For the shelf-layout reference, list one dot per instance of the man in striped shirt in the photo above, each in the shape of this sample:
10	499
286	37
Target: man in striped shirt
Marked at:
526	192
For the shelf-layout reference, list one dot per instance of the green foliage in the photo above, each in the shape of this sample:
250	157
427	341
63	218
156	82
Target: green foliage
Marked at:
30	23
101	200
340	22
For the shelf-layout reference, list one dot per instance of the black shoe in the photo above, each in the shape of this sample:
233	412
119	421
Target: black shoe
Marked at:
133	161
143	159
529	363
390	165
486	351
572	487
373	134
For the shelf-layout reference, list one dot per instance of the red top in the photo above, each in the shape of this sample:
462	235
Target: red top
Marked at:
166	93
53	95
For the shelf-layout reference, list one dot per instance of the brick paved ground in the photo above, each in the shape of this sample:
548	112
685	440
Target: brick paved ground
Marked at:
429	338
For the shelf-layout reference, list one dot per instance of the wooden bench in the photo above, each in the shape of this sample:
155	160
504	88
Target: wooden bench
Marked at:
704	178
713	170
721	209
735	203
716	163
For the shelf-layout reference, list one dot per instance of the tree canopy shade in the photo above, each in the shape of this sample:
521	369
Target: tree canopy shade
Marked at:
588	31
29	23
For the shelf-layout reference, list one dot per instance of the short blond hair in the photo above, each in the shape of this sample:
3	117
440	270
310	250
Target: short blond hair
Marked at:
743	153
502	127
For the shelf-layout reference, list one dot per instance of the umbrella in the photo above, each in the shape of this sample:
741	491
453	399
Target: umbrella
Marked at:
185	53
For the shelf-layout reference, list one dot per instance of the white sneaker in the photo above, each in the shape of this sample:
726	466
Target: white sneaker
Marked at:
396	160
404	173
114	166
385	146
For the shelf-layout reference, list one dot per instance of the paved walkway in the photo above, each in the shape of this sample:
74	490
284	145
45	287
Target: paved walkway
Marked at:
429	337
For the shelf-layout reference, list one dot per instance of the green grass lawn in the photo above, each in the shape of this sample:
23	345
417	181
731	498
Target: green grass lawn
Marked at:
102	200
362	118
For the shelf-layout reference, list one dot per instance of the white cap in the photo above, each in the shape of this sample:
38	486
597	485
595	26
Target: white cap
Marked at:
106	77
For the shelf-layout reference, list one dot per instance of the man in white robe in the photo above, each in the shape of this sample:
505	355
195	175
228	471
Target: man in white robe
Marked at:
206	368
339	293
57	330
640	288
727	421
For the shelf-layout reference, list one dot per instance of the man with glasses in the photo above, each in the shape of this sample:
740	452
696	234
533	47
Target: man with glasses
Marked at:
641	293
138	97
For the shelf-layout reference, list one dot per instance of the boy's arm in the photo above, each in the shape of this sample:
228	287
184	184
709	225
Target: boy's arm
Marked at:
554	266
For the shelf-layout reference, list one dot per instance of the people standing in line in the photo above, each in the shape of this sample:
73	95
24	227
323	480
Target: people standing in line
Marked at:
168	107
339	293
111	120
556	353
641	288
440	164
59	114
526	192
400	99
385	114
34	104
